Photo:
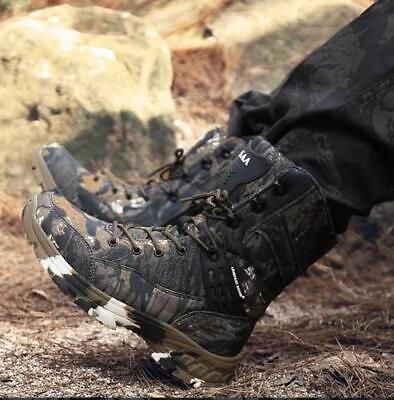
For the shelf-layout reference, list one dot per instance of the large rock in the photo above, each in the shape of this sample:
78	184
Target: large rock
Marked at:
259	41
94	79
222	48
275	36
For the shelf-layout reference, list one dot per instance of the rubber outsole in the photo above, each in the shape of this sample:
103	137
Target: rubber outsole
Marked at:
176	353
41	172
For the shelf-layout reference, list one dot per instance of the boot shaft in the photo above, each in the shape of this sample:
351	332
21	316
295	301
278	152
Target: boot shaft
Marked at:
281	225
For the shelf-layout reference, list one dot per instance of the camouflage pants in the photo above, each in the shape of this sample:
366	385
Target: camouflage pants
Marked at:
334	113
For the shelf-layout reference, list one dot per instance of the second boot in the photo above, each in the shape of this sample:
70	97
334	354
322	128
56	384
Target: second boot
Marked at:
158	202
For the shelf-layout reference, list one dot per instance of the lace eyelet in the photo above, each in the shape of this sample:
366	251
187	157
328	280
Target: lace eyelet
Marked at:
225	154
206	164
178	153
158	253
137	251
128	197
258	205
172	197
114	190
113	242
279	189
96	178
181	251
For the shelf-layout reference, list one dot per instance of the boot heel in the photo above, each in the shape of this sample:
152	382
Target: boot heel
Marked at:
188	362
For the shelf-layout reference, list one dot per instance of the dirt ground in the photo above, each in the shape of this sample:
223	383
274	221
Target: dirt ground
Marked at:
329	334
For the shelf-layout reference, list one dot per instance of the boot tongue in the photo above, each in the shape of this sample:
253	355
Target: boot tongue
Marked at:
247	166
205	146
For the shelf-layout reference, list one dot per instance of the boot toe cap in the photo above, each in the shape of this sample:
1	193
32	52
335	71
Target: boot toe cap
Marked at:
68	230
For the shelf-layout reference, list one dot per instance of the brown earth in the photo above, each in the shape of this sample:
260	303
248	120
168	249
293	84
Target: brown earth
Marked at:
329	334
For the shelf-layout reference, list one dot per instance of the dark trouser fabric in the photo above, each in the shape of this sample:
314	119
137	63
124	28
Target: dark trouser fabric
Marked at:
334	114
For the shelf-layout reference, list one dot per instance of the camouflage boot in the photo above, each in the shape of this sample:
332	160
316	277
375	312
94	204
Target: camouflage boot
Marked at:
156	203
194	291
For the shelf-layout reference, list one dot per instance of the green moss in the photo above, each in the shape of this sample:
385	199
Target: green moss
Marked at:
161	132
89	145
130	128
5	5
8	6
117	139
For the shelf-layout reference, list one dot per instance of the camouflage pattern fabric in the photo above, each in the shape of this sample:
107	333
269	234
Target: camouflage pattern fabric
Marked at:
334	113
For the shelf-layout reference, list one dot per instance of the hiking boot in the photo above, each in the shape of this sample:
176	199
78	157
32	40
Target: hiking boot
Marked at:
156	203
193	291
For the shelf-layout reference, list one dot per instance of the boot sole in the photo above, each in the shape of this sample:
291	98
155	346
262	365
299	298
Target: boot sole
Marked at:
176	353
41	173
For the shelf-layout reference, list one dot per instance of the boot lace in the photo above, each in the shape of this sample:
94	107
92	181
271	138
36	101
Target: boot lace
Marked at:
167	173
172	169
120	230
213	205
176	170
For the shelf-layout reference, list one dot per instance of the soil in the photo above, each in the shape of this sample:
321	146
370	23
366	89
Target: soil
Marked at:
328	334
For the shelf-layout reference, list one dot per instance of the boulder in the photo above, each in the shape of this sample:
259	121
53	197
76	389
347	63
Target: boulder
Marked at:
275	36
222	48
94	79
258	41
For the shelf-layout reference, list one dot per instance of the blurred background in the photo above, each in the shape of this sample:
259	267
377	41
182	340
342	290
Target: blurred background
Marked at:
122	84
